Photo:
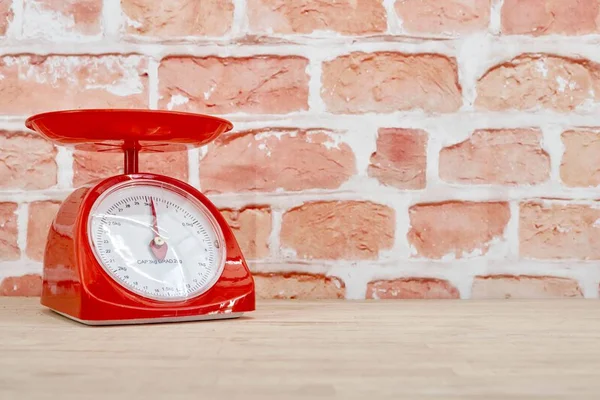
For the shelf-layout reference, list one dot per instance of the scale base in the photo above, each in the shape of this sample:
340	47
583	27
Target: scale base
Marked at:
143	321
75	284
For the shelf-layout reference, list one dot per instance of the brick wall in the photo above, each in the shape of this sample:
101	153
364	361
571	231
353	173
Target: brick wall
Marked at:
382	149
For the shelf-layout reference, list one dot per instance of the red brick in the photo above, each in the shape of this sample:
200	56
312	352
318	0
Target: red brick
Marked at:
411	288
31	83
27	161
386	82
91	166
29	285
252	228
41	214
348	17
178	18
400	159
440	229
443	17
268	160
580	166
51	18
338	230
559	231
298	286
6	16
539	81
502	156
261	84
524	287
542	17
9	232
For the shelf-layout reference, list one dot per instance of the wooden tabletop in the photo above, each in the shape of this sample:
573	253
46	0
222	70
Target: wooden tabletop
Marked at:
312	350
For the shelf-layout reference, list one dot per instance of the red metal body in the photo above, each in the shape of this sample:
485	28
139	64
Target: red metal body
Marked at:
74	284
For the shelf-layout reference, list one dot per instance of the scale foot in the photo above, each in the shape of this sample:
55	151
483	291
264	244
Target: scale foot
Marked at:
153	320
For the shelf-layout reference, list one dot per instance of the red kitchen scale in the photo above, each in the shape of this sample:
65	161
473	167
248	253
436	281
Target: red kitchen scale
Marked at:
140	247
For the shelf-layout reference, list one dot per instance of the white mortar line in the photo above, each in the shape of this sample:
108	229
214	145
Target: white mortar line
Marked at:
500	48
275	236
552	143
194	167
589	283
449	125
393	20
430	268
370	190
362	139
512	232
19	268
22	227
201	153
112	19
463	283
356	286
64	162
496	17
435	144
33	195
402	248
314	71
240	20
15	28
471	52
153	91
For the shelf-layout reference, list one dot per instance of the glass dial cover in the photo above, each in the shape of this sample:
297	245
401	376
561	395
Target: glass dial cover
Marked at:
156	240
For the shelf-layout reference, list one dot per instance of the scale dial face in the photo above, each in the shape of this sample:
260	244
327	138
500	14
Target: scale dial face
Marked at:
156	240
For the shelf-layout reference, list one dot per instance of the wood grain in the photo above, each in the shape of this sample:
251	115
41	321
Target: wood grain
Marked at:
429	349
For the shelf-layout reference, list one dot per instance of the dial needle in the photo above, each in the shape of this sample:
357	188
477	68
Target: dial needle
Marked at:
157	245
